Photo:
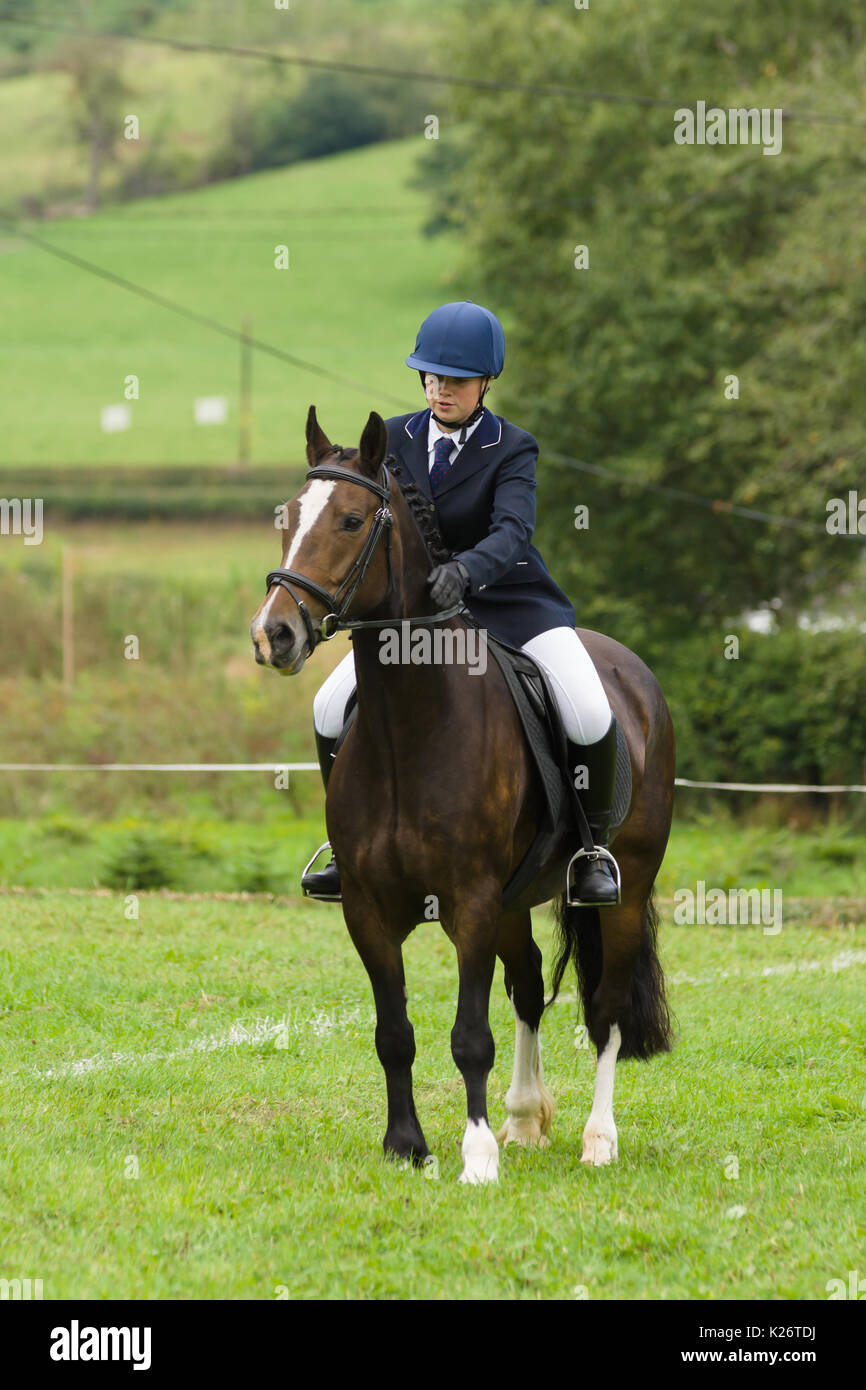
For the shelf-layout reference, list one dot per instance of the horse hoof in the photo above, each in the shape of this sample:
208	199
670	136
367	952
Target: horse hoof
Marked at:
527	1132
599	1148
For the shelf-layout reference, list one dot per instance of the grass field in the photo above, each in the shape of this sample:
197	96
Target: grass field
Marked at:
360	280
192	1107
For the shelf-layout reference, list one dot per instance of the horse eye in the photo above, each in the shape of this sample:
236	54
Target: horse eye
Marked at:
352	523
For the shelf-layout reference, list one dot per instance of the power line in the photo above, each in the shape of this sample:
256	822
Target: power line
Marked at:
713	504
558	89
202	319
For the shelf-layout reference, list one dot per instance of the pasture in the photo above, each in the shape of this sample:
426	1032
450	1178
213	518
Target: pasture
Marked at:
193	1108
360	279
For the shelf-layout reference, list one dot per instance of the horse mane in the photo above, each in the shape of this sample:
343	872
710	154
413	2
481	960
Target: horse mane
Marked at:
421	514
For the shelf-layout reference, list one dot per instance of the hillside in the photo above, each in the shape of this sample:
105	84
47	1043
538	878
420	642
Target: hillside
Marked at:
360	279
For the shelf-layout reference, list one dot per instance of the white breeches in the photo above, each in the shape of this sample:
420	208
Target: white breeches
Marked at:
579	693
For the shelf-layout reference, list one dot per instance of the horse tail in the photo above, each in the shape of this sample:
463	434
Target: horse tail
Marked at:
645	1024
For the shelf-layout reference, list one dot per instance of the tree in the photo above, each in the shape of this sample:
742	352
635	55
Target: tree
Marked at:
96	97
704	263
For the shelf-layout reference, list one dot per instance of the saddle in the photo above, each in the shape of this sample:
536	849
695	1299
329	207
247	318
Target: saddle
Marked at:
564	819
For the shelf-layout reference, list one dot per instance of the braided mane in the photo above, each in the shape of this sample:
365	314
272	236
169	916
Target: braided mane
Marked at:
420	509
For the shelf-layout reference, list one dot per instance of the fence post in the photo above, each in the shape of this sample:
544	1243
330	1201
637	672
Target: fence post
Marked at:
67	620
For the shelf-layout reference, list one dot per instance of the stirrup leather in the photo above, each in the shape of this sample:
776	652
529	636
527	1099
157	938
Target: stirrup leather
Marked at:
319	897
596	853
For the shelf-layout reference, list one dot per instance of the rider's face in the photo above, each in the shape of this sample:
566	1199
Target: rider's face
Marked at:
452	397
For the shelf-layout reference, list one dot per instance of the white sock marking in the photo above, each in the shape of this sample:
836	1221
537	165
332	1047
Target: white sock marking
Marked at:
480	1153
599	1135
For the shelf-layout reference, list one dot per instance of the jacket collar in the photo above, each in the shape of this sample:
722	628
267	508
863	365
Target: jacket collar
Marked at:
489	430
473	456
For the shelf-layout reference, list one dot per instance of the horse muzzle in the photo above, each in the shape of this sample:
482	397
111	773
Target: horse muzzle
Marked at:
279	645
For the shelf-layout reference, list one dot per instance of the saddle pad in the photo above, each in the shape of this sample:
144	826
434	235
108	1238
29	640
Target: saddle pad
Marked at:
518	670
622	794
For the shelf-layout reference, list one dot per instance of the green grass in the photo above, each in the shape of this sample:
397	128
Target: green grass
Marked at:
360	281
259	1166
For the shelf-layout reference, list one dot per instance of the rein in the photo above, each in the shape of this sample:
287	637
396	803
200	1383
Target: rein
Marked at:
338	603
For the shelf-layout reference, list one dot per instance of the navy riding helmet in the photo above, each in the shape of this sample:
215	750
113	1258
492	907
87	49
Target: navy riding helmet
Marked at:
461	339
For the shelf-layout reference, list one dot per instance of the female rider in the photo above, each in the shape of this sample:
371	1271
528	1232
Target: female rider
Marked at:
479	472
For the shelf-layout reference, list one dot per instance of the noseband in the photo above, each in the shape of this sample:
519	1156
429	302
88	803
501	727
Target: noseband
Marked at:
337	603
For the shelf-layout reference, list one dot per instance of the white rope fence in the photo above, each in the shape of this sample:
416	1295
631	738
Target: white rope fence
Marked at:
314	767
764	786
159	767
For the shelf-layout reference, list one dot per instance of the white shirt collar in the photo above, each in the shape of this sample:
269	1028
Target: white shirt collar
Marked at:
434	433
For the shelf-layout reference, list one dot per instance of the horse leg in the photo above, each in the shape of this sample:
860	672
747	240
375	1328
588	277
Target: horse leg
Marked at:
528	1101
395	1037
608	1017
472	1046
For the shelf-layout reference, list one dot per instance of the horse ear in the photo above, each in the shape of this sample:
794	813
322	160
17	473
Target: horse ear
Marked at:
318	443
374	445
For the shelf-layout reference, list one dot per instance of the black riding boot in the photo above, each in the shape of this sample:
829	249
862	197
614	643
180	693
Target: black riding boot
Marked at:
325	884
595	880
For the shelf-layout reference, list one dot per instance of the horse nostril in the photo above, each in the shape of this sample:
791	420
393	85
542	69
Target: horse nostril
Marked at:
280	635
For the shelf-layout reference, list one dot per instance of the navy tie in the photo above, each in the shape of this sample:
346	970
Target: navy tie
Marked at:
441	461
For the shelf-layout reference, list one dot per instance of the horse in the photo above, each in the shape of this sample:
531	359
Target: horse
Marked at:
433	798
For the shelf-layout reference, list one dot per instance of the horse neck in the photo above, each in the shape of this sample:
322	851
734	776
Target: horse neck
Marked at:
388	693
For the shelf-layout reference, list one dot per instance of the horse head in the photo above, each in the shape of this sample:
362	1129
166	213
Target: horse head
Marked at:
337	548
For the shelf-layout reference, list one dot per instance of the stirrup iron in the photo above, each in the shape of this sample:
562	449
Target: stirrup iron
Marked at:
321	898
597	852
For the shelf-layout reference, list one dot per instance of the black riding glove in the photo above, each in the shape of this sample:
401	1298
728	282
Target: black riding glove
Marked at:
448	583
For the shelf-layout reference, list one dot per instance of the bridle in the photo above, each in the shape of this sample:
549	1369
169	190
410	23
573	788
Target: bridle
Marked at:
338	603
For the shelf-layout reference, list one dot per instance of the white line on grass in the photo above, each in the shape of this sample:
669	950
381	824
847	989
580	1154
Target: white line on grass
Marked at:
323	1022
320	1022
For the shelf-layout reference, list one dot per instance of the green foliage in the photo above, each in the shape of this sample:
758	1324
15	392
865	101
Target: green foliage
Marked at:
329	114
789	709
142	859
704	262
225	114
68	830
254	870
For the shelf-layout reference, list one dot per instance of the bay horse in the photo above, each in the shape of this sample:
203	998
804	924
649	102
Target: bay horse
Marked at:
433	798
